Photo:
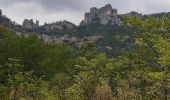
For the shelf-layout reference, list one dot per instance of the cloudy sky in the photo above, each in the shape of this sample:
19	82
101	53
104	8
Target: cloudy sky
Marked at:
73	10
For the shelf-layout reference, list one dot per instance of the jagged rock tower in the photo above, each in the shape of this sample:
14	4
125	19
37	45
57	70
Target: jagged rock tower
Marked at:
29	24
105	15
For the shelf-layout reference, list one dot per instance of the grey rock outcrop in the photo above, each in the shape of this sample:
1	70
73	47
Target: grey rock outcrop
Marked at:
29	24
105	15
0	12
62	25
133	13
5	21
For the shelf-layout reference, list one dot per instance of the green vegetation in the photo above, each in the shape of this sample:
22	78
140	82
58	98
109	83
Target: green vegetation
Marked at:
33	70
118	38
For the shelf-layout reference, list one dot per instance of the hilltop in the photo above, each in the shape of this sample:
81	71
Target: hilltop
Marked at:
103	26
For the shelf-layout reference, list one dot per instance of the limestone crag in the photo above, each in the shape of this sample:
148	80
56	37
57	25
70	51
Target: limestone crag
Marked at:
105	15
5	21
61	25
0	12
29	24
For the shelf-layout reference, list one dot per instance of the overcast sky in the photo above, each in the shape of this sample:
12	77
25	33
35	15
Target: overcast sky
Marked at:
73	10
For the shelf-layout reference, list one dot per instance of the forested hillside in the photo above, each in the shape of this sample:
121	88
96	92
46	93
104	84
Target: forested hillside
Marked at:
31	69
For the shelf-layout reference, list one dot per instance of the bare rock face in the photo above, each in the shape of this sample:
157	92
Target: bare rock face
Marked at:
4	20
62	25
0	12
105	15
29	24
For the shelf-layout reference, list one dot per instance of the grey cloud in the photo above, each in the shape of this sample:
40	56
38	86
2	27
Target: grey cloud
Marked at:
63	4
12	2
73	10
82	5
53	5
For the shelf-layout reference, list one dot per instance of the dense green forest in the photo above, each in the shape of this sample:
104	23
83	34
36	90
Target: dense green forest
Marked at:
33	70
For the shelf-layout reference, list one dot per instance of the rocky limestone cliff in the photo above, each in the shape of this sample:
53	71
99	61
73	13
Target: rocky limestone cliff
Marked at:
50	28
106	36
56	28
105	15
0	12
5	21
29	24
61	25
